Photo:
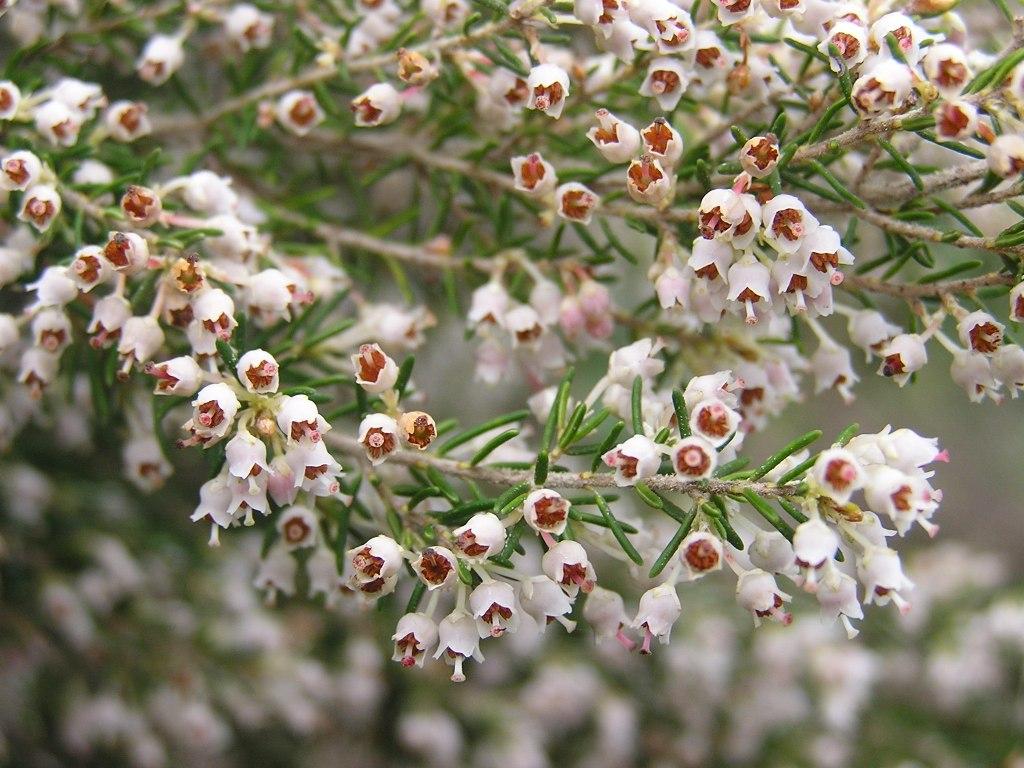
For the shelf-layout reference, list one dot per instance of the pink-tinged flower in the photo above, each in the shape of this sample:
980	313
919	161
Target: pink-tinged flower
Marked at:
214	410
179	376
258	371
787	223
51	330
956	120
567	564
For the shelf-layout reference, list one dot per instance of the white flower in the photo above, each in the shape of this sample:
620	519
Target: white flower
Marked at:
669	25
89	267
20	170
415	636
757	592
659	610
833	369
127	252
38	368
142	206
749	281
379	104
436	567
214	412
605	611
141	338
79	95
58	123
760	155
694	458
489	303
544	600
51	330
870	331
267	296
248	27
417	428
493	604
567	564
40	206
161	58
378	559
972	372
771	551
299	419
378	434
576	202
904	498
786	223
10	99
713	420
700	553
637	458
214	310
732	11
713	386
945	65
838	473
313	468
908	36
1008	366
458	641
615	139
636	359
375	371
144	460
881	573
206	192
727	215
837	597
481	537
902	356
956	120
108	317
299	112
647	182
523	323
980	332
850	39
549	86
297	527
884	87
546	511
666	81
533	175
177	376
663	142
814	544
258	371
127	120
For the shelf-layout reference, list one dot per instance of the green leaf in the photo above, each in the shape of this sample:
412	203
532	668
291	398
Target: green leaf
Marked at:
464	437
491	445
682	417
673	545
637	405
768	513
616	528
777	458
